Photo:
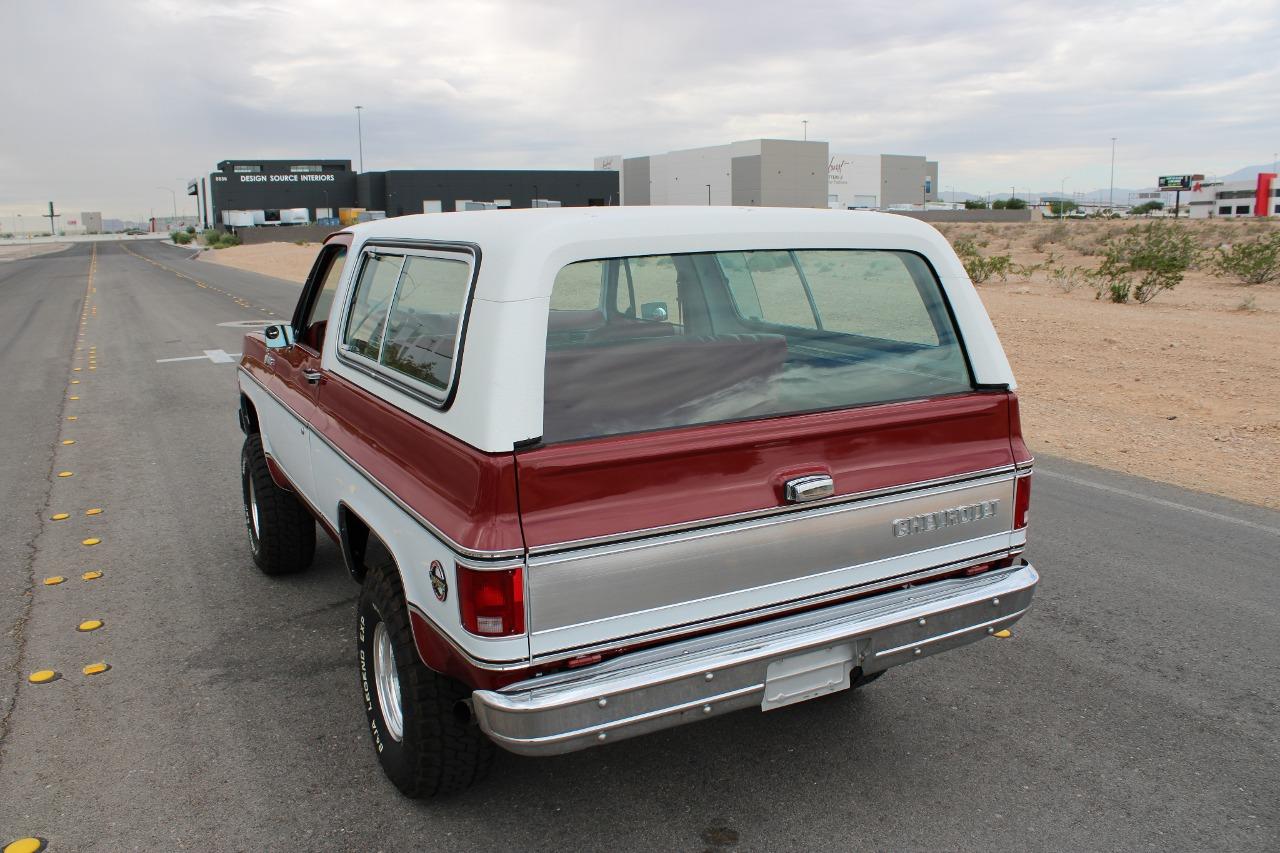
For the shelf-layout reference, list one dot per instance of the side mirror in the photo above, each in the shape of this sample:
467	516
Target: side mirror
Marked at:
654	311
279	336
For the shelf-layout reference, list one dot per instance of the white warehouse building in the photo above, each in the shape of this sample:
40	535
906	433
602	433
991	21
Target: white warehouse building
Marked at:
774	173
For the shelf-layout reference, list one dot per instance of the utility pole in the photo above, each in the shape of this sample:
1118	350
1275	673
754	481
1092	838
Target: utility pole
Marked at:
175	202
1111	196
51	216
805	122
360	135
708	195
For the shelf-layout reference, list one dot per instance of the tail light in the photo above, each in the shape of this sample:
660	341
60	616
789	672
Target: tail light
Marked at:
492	602
1021	502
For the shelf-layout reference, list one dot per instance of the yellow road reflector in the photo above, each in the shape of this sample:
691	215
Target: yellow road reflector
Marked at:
89	625
42	676
91	576
54	581
93	367
71	417
67	441
93	511
75	398
30	844
60	516
92	540
75	369
1004	635
65	474
96	668
75	381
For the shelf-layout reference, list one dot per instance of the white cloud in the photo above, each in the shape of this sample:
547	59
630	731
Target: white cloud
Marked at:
112	100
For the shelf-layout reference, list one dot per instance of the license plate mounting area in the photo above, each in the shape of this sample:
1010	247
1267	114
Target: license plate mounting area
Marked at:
807	675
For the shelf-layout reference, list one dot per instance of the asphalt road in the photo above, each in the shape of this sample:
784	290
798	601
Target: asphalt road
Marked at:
1137	707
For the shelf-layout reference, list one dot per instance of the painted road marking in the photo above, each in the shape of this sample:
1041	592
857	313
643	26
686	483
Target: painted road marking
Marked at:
247	324
1102	487
216	356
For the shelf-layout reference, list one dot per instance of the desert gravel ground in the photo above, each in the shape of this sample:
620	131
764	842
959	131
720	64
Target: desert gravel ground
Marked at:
1184	389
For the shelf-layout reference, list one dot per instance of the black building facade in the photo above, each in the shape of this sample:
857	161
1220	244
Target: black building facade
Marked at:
327	185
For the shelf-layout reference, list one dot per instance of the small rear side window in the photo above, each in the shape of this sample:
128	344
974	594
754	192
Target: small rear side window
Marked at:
405	316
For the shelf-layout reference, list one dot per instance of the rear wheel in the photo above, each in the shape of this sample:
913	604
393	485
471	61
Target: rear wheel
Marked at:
425	746
282	533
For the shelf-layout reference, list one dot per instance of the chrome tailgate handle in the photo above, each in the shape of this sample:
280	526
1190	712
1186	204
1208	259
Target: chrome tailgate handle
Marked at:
812	488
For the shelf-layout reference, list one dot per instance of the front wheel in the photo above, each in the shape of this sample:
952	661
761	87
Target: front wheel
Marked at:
425	746
282	533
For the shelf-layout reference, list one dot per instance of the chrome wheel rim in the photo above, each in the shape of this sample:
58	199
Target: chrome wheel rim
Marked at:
387	681
253	509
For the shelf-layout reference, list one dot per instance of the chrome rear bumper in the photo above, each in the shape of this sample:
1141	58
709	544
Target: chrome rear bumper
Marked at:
681	682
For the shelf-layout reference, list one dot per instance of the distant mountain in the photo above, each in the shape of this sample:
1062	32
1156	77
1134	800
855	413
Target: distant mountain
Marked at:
1248	173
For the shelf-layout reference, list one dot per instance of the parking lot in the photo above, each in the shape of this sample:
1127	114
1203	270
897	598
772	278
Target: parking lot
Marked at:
1136	707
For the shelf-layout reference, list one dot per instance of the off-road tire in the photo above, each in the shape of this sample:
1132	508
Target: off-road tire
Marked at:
283	540
440	752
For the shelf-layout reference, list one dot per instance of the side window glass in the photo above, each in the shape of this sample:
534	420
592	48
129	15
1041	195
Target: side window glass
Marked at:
422	330
372	300
741	286
779	291
312	331
579	287
873	294
653	279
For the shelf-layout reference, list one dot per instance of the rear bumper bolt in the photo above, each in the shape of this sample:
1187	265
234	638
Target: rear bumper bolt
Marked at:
706	709
922	621
710	676
918	652
995	601
603	702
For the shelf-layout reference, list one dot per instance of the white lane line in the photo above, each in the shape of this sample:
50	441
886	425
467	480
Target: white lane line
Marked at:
1274	531
216	356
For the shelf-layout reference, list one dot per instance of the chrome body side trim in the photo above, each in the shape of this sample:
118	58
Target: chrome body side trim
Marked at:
643	533
664	687
459	550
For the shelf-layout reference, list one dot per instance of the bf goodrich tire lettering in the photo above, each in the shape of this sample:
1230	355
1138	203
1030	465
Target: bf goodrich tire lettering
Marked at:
437	753
282	533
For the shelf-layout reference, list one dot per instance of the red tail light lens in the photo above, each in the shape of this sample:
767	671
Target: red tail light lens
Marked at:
492	602
1021	502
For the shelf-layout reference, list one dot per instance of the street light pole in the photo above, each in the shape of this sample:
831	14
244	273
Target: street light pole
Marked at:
1111	196
805	122
1062	192
708	195
175	201
360	135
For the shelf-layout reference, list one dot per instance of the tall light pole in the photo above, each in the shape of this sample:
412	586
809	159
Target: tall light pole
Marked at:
805	122
175	200
1111	196
708	195
1062	194
360	135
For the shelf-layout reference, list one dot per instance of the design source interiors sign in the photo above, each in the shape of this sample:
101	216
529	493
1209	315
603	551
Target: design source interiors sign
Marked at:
277	179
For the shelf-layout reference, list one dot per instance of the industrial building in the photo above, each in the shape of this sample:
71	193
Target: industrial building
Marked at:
775	173
1231	199
880	180
283	191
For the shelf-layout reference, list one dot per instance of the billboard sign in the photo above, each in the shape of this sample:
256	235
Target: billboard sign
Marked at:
1175	182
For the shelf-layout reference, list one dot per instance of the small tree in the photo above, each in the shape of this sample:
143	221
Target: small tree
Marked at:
1015	204
975	204
1145	208
999	204
1252	262
1161	252
1058	208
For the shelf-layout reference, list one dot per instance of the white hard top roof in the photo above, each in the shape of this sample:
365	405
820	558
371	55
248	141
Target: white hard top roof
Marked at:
522	250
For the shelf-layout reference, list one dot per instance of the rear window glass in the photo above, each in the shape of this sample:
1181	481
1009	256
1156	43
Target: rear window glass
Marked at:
405	316
677	340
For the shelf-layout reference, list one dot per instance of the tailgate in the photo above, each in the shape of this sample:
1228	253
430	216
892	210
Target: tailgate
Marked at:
634	535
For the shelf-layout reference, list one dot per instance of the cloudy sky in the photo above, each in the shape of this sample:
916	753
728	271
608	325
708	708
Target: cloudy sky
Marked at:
104	105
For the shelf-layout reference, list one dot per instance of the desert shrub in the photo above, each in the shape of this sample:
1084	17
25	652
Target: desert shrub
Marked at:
1250	262
219	239
191	229
1159	253
1145	208
1249	303
1067	278
980	267
975	204
182	238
